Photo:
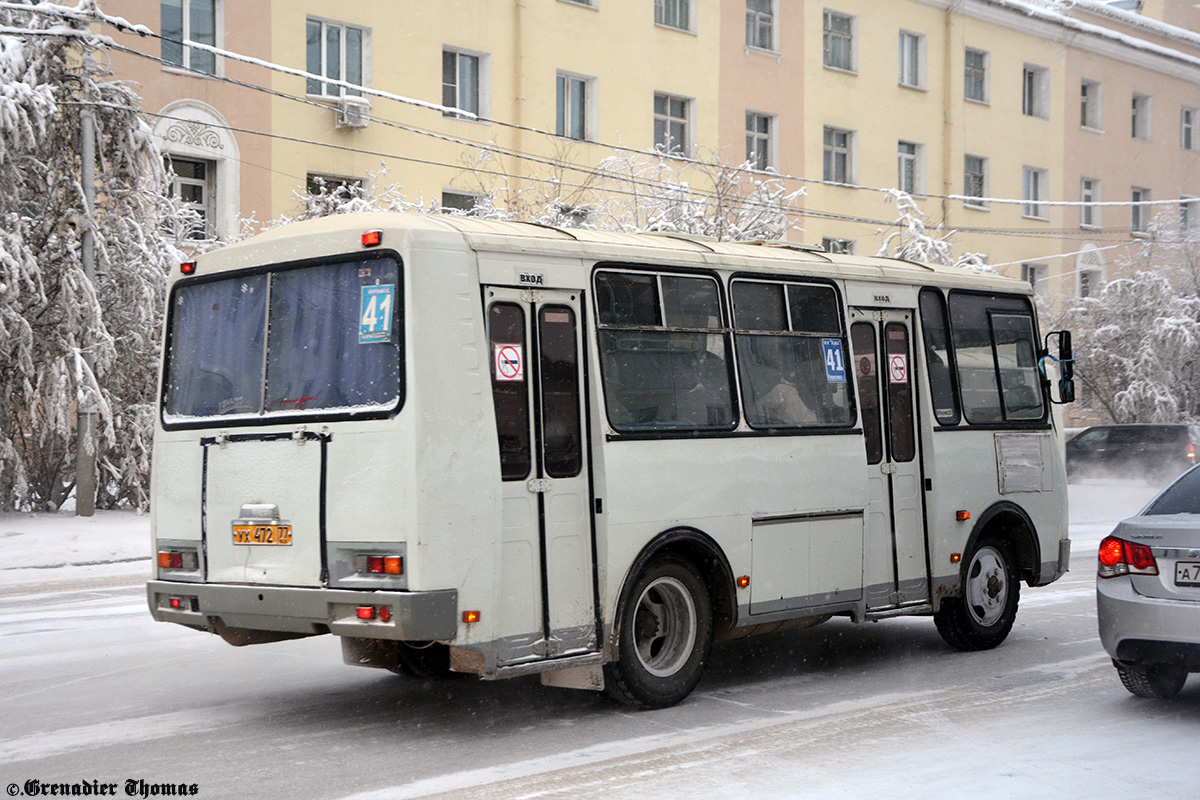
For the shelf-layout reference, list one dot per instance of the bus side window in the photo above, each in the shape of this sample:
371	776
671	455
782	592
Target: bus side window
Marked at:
937	356
862	342
994	351
562	448
506	327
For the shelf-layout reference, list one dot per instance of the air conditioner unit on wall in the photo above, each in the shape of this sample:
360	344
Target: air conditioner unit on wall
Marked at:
352	112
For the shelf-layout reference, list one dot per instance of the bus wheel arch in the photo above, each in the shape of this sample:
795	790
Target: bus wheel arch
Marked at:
676	593
1008	521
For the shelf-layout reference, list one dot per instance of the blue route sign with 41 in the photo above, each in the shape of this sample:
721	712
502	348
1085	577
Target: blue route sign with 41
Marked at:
835	365
375	314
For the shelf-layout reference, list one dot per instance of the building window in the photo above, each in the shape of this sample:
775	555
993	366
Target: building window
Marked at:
838	165
574	106
334	51
759	144
975	180
910	163
1140	117
1090	105
673	13
460	202
1188	207
1089	282
1139	215
1187	128
912	69
461	82
839	40
1034	192
975	85
189	20
1089	196
843	246
336	186
1035	276
671	123
192	183
760	24
1035	90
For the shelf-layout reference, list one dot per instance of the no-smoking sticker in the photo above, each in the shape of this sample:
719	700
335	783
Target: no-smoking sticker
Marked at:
510	362
898	368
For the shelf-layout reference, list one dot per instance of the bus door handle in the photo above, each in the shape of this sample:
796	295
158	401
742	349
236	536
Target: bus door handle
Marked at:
887	468
538	485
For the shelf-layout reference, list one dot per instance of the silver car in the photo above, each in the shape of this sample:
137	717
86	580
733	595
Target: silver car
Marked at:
1148	591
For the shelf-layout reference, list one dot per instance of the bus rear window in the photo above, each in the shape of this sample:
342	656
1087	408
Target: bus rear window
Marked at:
313	340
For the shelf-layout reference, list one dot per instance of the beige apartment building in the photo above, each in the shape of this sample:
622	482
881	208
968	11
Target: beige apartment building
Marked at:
1009	122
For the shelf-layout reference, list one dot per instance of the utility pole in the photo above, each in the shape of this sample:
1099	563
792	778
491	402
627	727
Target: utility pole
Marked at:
85	416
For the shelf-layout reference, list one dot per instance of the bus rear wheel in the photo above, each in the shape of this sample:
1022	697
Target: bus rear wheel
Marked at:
983	616
665	636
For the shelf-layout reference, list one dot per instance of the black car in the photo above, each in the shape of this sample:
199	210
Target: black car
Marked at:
1154	453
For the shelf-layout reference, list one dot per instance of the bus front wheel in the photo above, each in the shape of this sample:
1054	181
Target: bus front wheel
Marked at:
983	616
666	634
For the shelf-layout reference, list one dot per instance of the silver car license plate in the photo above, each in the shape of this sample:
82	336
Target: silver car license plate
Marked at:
1187	573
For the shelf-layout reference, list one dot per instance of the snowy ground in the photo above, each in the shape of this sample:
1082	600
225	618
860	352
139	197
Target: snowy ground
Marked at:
92	689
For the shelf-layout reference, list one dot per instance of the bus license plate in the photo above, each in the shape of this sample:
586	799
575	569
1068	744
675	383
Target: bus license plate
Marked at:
262	534
1187	573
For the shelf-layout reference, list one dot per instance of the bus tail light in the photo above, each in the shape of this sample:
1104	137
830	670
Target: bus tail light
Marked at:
178	559
1119	557
1191	454
366	564
366	612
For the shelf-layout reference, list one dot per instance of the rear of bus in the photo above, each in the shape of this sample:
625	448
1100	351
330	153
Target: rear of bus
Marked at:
286	498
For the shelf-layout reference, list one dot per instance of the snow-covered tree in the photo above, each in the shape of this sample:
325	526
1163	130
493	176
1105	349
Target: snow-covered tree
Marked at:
51	314
913	241
1137	343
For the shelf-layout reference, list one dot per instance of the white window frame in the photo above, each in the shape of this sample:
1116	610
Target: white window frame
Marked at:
483	80
833	244
982	73
1034	191
1142	117
982	204
756	20
1189	211
1089	198
1035	275
1139	216
325	90
851	40
1091	105
449	193
1188	119
218	40
832	152
208	208
915	158
912	59
1089	281
1035	91
574	83
667	13
667	145
758	142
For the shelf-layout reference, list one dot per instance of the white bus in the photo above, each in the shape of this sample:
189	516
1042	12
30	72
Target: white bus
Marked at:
499	449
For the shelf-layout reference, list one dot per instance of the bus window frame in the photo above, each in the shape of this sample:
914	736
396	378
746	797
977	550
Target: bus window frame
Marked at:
951	361
286	418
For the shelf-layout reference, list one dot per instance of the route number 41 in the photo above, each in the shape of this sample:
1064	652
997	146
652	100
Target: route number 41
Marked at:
375	314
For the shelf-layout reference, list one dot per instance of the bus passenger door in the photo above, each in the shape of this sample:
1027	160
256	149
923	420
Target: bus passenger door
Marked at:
895	564
547	581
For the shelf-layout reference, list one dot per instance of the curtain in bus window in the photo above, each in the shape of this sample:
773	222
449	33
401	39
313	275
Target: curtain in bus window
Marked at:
666	365
331	344
506	328
937	357
1020	382
788	375
562	446
862	338
214	365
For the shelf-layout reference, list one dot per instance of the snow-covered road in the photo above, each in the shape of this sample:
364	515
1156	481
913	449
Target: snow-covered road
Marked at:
92	689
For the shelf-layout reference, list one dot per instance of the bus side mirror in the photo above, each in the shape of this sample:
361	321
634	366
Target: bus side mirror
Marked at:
1066	367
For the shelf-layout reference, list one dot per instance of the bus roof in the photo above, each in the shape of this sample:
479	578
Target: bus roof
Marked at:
634	248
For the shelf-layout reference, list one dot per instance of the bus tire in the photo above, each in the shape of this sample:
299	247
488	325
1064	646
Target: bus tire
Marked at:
665	636
983	616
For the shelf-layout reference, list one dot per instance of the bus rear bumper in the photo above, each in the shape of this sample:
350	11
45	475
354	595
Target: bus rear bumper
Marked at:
239	612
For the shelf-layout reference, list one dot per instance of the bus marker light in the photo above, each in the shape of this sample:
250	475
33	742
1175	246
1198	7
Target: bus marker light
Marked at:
955	558
470	616
188	267
743	581
372	238
385	613
962	516
176	602
375	564
366	612
393	565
